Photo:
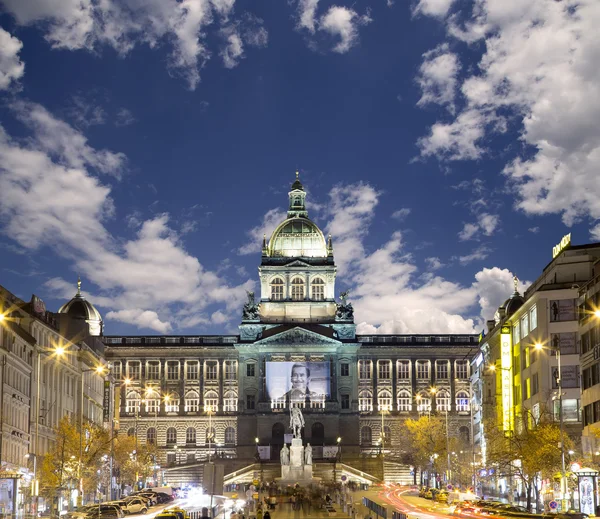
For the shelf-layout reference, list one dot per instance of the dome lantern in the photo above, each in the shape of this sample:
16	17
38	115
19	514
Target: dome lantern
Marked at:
80	308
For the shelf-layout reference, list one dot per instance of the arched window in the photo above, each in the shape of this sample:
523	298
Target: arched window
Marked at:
387	436
423	402
317	433
317	288
190	436
131	431
462	401
171	435
297	289
404	401
365	400
210	435
229	436
151	436
366	436
172	403
211	402
132	402
277	289
464	434
442	401
192	402
278	432
230	401
384	401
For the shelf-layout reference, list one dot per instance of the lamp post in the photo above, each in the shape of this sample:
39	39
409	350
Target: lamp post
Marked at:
563	476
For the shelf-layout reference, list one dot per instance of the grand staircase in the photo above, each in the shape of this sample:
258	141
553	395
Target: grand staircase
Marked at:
394	472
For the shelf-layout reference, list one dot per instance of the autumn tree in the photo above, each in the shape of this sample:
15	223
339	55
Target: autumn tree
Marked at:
134	460
60	468
531	452
426	438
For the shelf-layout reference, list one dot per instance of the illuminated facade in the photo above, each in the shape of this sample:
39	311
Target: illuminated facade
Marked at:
226	391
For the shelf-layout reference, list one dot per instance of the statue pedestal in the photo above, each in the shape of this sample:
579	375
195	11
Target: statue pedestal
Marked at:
296	453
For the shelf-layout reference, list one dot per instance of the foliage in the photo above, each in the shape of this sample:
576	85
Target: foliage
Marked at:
426	439
60	467
134	459
530	452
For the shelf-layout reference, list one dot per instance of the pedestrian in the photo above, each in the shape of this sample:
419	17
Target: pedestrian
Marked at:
267	515
205	513
259	514
233	515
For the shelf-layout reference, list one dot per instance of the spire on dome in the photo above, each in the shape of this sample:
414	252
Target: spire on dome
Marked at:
297	197
516	284
265	250
78	285
329	246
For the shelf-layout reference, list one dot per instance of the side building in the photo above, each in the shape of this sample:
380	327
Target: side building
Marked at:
516	374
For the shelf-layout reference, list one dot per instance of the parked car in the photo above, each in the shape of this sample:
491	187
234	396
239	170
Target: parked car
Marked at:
132	506
150	495
166	515
465	508
180	512
146	500
103	511
442	497
163	498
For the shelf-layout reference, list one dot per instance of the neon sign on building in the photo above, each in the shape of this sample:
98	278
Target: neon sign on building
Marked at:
507	382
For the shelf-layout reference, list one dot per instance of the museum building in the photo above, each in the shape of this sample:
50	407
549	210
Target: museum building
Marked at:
229	396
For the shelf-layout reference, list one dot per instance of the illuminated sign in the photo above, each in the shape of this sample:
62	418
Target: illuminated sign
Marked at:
507	382
563	244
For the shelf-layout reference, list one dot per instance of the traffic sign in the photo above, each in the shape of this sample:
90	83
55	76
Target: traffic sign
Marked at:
344	478
449	487
553	505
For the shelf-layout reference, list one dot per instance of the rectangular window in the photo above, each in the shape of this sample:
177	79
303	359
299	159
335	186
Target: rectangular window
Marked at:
344	369
385	369
588	416
250	402
153	371
230	404
277	290
230	370
191	370
423	369
404	369
524	325
404	402
133	370
462	369
345	401
364	369
563	310
442	370
318	291
116	370
533	318
516	333
527	388
172	370
211	370
535	384
250	369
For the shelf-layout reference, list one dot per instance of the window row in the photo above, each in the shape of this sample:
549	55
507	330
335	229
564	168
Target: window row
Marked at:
172	402
174	370
297	289
422	369
524	326
420	402
190	436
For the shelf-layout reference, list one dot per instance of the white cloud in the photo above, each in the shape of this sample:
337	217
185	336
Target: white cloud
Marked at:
141	319
124	117
49	199
534	230
438	77
250	32
86	113
65	143
340	22
11	67
401	214
488	223
124	24
494	286
539	66
480	253
438	8
271	219
434	263
469	230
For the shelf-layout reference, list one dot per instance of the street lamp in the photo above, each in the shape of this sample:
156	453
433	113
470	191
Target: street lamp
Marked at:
563	476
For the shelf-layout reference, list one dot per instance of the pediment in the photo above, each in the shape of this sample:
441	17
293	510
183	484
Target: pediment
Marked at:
298	263
298	335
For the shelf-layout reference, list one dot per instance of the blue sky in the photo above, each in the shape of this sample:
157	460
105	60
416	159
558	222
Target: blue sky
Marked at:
146	146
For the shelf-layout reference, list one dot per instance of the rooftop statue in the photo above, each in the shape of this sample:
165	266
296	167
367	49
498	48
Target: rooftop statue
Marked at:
344	311
250	310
